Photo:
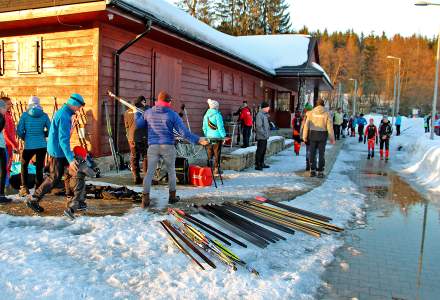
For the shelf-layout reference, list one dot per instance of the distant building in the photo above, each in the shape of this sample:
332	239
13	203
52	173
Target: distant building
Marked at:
53	48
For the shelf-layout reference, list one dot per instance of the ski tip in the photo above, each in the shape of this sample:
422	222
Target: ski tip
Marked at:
260	198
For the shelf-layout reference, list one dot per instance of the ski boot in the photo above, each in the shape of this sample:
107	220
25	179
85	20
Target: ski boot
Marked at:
24	191
33	204
69	213
266	166
312	173
145	200
369	156
82	206
173	198
320	175
372	154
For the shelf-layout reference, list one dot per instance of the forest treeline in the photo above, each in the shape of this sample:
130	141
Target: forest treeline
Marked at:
343	55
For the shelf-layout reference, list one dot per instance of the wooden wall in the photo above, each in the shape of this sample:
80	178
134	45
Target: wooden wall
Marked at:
149	66
69	65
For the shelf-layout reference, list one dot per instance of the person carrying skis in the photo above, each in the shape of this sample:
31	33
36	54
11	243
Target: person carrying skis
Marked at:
246	124
361	122
33	128
262	130
398	124
337	123
162	122
296	126
3	156
213	128
137	140
372	136
318	128
62	160
9	133
385	132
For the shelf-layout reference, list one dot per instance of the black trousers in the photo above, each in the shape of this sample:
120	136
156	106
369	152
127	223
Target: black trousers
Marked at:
138	150
26	156
246	135
261	153
337	130
384	144
398	130
3	162
361	133
214	150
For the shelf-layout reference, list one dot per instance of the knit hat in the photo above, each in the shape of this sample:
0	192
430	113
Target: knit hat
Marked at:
213	104
34	101
2	104
164	96
264	105
76	100
308	106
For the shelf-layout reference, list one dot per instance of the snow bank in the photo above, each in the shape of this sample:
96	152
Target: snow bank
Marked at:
268	52
254	148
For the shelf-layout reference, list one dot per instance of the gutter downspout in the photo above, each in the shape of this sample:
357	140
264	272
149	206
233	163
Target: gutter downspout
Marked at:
117	75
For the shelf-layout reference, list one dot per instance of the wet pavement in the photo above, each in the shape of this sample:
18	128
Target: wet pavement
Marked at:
392	254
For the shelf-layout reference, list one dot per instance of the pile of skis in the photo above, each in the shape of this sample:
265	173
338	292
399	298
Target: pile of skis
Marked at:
248	220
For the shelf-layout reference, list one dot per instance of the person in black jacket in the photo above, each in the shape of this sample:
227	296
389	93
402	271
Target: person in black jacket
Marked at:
137	140
385	132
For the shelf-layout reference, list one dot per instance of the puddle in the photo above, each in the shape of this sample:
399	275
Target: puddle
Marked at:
396	255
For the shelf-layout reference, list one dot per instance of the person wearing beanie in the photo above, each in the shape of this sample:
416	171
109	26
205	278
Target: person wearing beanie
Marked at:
239	123
371	135
161	122
213	128
246	124
9	134
361	122
317	129
137	140
3	157
33	128
297	121
62	160
385	133
262	132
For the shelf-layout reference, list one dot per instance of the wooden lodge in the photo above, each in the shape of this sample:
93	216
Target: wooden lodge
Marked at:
55	48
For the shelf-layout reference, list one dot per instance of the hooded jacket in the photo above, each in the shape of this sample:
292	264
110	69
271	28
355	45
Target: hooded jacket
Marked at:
318	120
262	127
58	143
161	122
33	127
213	126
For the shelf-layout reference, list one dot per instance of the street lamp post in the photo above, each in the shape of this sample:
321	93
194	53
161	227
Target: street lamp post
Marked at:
354	95
437	65
397	103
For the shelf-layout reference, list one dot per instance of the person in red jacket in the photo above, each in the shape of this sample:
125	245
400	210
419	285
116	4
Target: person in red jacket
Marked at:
372	135
247	122
296	125
9	134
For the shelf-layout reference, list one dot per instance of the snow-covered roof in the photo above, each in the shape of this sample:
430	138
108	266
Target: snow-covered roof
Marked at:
268	52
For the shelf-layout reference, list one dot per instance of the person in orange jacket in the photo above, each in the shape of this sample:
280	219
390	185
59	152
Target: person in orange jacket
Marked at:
372	136
246	122
296	126
9	134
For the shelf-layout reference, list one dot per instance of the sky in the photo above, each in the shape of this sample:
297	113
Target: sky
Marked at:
391	16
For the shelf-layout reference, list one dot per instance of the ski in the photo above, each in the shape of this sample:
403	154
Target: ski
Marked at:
200	222
110	136
189	244
179	246
294	209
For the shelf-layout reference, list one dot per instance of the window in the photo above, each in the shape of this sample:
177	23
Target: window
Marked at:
29	52
283	101
2	58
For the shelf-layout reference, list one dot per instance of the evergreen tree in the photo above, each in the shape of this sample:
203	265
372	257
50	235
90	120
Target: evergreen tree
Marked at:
200	9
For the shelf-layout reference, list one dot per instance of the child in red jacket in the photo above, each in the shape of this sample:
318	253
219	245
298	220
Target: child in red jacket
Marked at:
372	135
296	126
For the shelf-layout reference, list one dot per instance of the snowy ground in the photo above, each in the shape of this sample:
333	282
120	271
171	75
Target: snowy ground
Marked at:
130	257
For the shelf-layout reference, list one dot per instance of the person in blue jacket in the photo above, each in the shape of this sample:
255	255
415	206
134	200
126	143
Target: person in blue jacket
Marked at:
398	124
361	122
33	129
61	158
213	128
162	122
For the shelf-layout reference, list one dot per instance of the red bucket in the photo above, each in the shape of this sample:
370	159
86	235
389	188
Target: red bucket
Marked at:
200	176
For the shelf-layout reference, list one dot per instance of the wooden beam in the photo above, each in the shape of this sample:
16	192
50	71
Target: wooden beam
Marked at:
52	11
